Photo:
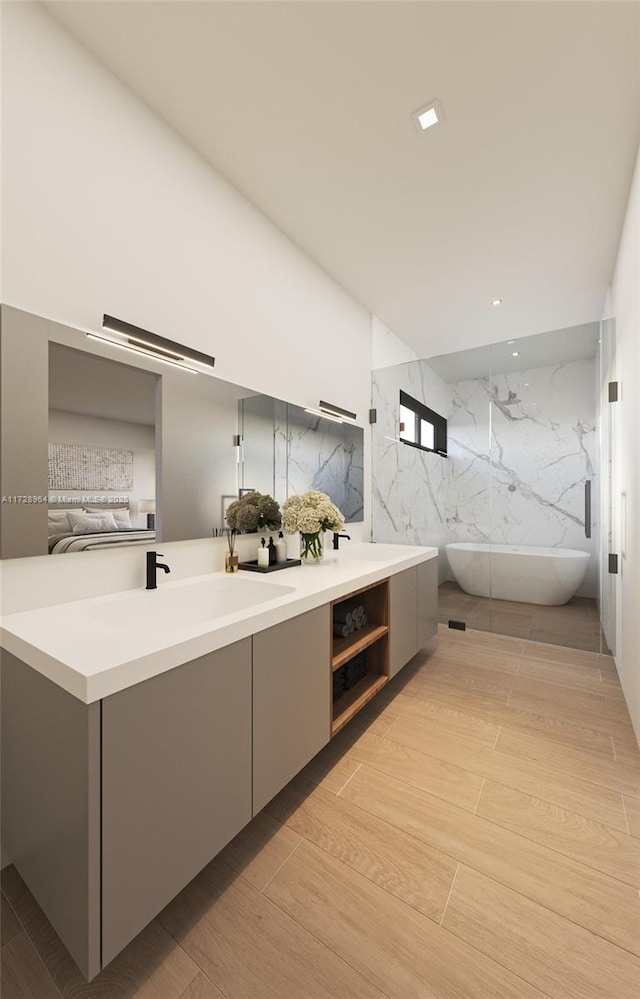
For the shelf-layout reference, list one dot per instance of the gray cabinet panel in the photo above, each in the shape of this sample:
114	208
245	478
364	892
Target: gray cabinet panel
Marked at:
176	784
403	627
291	700
427	601
51	803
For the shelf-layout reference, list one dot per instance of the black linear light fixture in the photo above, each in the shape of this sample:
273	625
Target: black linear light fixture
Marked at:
331	412
139	341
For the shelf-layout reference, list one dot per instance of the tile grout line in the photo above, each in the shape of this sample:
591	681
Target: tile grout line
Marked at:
484	781
626	817
520	891
202	972
33	943
349	778
495	742
613	749
453	881
286	859
306	929
509	698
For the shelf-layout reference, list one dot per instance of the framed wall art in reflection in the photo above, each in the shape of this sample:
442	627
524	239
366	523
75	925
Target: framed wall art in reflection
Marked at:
76	466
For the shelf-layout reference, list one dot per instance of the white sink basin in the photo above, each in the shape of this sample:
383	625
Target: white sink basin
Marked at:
373	552
186	604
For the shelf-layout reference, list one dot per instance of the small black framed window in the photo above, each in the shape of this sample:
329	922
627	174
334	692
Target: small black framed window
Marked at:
422	427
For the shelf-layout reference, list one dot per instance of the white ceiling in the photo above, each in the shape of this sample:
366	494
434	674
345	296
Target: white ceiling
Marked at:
306	108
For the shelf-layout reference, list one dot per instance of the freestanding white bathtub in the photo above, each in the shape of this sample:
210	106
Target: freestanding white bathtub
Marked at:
548	576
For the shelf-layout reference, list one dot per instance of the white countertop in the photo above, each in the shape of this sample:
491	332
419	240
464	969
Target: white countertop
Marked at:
96	647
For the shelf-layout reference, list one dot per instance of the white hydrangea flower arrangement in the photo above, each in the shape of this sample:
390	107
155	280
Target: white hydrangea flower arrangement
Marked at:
312	513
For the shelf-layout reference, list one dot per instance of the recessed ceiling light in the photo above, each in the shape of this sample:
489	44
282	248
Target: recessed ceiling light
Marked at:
427	116
516	353
496	301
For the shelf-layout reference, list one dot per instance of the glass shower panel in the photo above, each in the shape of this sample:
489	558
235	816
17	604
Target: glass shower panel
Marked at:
610	526
545	488
465	589
424	497
514	504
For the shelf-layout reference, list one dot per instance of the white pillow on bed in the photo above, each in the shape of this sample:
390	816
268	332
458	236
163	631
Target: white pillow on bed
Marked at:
58	521
120	515
92	523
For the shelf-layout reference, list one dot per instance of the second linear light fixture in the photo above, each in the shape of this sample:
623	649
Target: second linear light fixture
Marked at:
331	412
139	341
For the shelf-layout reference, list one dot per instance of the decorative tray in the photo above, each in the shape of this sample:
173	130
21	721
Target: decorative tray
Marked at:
254	567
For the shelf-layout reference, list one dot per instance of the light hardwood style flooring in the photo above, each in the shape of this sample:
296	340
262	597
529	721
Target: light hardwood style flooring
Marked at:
472	834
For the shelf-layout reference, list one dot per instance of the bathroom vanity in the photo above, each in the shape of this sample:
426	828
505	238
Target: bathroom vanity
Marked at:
142	731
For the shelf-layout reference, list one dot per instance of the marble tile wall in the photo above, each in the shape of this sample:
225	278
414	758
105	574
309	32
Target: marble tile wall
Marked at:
520	449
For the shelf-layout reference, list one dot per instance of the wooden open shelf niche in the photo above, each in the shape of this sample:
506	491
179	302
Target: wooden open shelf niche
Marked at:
374	638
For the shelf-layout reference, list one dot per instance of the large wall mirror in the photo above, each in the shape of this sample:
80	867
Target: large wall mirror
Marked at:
101	449
287	450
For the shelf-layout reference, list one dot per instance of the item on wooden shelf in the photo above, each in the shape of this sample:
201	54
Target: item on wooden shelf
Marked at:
342	630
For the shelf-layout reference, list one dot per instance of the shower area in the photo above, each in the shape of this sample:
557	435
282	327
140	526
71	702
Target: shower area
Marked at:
492	455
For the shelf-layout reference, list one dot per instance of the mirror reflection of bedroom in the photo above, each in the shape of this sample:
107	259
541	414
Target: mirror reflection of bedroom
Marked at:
102	452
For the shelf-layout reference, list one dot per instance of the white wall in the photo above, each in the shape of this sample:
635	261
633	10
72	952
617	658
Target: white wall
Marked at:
624	305
106	209
387	348
115	213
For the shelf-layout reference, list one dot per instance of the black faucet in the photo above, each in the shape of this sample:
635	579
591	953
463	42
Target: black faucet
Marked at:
336	540
152	566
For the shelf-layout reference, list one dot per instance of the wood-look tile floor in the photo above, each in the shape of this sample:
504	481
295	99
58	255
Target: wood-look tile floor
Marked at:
575	624
473	834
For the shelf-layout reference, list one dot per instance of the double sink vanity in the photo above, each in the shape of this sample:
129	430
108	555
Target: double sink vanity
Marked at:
142	731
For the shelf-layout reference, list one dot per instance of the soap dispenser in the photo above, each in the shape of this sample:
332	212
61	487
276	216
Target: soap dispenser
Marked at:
273	553
281	549
263	555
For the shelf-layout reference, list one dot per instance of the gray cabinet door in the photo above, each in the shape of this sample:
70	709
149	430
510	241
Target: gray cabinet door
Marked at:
427	601
403	626
291	700
176	784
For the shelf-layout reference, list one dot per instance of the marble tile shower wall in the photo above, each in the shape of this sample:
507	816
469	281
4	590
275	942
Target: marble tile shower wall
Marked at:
515	472
410	492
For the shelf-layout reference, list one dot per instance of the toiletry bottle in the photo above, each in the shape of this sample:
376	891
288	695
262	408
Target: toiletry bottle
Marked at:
273	553
263	554
281	548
